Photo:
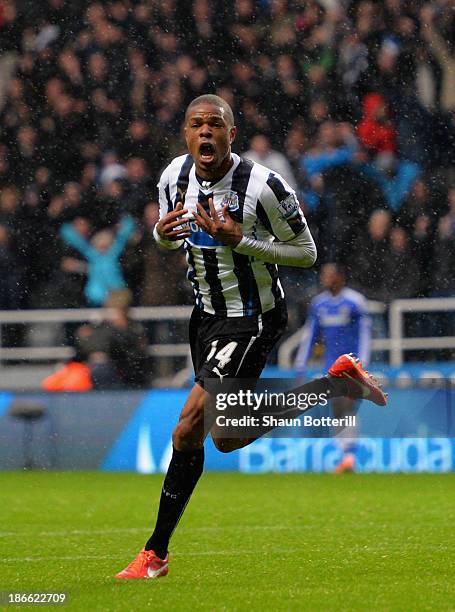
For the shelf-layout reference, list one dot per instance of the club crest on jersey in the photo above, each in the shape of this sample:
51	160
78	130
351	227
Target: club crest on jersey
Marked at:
231	199
289	207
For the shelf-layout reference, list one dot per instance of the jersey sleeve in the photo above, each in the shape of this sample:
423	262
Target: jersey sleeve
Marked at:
164	194
278	209
166	206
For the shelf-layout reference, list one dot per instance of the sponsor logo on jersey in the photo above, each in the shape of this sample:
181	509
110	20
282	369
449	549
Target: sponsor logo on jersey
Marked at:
200	238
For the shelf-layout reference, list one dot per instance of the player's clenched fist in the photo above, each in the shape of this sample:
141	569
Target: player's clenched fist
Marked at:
172	226
222	228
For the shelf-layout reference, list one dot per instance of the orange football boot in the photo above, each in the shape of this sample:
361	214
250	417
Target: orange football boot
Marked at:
145	565
361	385
346	464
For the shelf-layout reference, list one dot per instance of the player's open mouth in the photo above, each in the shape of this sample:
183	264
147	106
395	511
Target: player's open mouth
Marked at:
207	152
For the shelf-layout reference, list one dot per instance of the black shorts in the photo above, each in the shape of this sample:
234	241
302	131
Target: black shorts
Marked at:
234	347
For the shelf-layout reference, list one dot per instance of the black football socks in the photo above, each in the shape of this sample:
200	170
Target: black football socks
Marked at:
183	472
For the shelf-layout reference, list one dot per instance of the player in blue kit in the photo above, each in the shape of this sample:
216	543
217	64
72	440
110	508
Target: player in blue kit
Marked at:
338	318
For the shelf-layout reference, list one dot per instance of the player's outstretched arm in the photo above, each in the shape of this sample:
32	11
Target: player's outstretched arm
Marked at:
300	251
278	210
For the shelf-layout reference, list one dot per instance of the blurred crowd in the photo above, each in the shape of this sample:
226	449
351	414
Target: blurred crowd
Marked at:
351	101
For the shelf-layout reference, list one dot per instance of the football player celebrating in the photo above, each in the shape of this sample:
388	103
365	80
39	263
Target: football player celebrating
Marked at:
237	220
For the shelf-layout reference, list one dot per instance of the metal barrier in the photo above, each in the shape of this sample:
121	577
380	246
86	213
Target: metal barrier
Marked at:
90	315
396	344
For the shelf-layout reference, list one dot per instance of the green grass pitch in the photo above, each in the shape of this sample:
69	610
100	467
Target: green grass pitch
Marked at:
271	542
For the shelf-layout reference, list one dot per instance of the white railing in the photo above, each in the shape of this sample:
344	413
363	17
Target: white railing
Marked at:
396	344
74	315
91	315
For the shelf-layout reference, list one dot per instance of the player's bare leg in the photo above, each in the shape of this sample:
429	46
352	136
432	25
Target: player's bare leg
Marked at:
183	473
346	378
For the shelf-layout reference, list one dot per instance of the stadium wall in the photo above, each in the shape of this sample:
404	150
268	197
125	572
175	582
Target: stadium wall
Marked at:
131	431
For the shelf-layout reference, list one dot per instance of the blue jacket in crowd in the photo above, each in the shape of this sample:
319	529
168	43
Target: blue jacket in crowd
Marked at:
104	269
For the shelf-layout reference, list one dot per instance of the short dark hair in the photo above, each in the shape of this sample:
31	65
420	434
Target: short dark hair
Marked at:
215	101
339	267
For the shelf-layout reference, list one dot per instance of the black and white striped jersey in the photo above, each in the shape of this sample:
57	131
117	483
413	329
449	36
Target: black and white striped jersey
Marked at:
225	282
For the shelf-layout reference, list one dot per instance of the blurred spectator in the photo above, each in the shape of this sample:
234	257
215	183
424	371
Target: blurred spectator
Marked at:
376	132
352	65
138	187
112	169
10	41
368	273
261	152
65	288
10	273
335	146
401	272
395	177
444	54
346	194
418	203
115	350
422	245
140	143
9	205
444	278
103	256
443	324
444	273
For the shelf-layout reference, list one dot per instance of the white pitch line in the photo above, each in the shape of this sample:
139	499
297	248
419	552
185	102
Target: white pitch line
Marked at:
76	532
7	534
206	553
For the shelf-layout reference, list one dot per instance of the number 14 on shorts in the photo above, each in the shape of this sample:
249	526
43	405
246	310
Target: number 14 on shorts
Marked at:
223	356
